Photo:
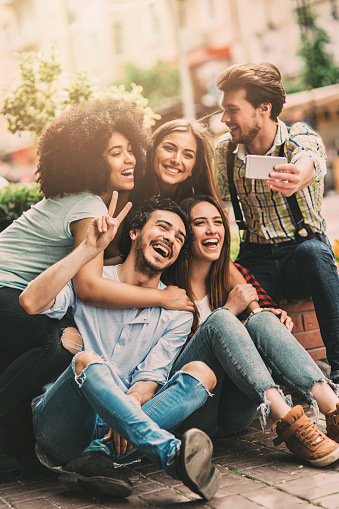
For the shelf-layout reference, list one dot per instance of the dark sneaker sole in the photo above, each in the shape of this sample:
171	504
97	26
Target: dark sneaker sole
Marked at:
96	485
197	450
10	475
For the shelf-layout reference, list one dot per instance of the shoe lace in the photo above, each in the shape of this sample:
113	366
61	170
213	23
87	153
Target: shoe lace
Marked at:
309	433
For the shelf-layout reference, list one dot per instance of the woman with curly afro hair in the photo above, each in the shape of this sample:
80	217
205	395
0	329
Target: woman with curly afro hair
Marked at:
83	156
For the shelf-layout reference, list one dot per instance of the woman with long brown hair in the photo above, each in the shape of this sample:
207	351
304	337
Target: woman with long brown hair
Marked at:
179	164
240	354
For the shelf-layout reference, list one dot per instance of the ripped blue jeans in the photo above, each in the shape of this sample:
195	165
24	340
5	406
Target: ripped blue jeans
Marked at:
69	419
247	359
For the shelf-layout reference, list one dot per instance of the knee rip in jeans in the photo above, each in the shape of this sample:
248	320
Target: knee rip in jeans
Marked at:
72	340
201	372
80	364
199	383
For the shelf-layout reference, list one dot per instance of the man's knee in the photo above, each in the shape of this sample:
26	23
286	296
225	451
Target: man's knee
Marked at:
202	372
311	250
84	359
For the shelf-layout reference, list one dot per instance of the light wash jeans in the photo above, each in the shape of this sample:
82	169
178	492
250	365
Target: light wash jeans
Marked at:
296	271
66	420
243	358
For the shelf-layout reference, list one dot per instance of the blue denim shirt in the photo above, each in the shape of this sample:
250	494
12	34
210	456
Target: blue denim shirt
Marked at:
141	347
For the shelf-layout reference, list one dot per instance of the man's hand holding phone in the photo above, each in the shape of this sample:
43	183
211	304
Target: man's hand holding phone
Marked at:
286	179
279	175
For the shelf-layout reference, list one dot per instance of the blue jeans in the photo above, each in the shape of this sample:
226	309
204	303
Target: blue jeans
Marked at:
66	421
294	271
243	358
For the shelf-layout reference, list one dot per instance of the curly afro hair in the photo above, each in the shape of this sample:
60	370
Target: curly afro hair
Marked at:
71	148
138	217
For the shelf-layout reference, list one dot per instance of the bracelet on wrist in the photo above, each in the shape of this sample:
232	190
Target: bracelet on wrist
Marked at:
255	311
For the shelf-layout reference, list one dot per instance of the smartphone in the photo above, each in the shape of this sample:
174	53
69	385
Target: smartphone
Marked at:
260	167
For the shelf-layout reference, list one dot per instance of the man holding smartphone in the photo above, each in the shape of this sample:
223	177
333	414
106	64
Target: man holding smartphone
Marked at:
284	244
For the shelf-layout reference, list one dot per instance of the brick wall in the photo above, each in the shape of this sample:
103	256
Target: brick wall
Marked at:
306	327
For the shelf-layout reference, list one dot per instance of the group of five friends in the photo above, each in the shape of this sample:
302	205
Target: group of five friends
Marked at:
138	378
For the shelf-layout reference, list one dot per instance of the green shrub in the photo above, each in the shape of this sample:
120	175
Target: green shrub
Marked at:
15	199
235	244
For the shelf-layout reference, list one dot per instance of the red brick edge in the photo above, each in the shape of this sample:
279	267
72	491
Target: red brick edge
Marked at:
306	327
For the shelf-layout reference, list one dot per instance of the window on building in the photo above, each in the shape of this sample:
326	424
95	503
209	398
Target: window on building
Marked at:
72	13
209	11
118	38
154	21
182	12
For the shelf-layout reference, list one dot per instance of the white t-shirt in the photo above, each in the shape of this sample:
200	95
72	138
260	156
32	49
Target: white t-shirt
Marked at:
204	308
41	236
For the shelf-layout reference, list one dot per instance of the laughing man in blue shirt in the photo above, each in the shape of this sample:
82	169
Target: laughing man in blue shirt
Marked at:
121	377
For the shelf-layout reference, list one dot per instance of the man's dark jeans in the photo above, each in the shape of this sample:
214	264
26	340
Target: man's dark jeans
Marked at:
35	341
296	271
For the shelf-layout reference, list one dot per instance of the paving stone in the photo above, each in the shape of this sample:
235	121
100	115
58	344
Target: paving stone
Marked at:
232	502
38	503
313	492
147	487
30	493
305	484
229	478
272	498
295	468
146	469
3	504
255	458
126	503
330	502
165	479
302	505
190	495
254	475
165	497
241	485
68	499
269	474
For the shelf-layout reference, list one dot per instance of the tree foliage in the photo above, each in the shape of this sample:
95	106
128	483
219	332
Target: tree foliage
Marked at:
42	91
159	82
319	68
15	199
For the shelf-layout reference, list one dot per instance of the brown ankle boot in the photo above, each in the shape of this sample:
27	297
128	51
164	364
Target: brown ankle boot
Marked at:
305	440
332	424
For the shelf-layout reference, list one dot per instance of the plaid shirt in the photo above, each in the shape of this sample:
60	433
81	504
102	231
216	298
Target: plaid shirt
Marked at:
265	300
266	212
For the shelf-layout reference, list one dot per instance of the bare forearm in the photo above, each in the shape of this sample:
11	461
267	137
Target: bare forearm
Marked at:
242	296
142	391
307	172
236	278
102	292
40	294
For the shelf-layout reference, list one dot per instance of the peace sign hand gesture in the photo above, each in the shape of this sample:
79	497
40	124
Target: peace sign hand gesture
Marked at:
103	229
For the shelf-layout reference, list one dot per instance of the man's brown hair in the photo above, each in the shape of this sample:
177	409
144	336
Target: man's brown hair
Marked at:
262	83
